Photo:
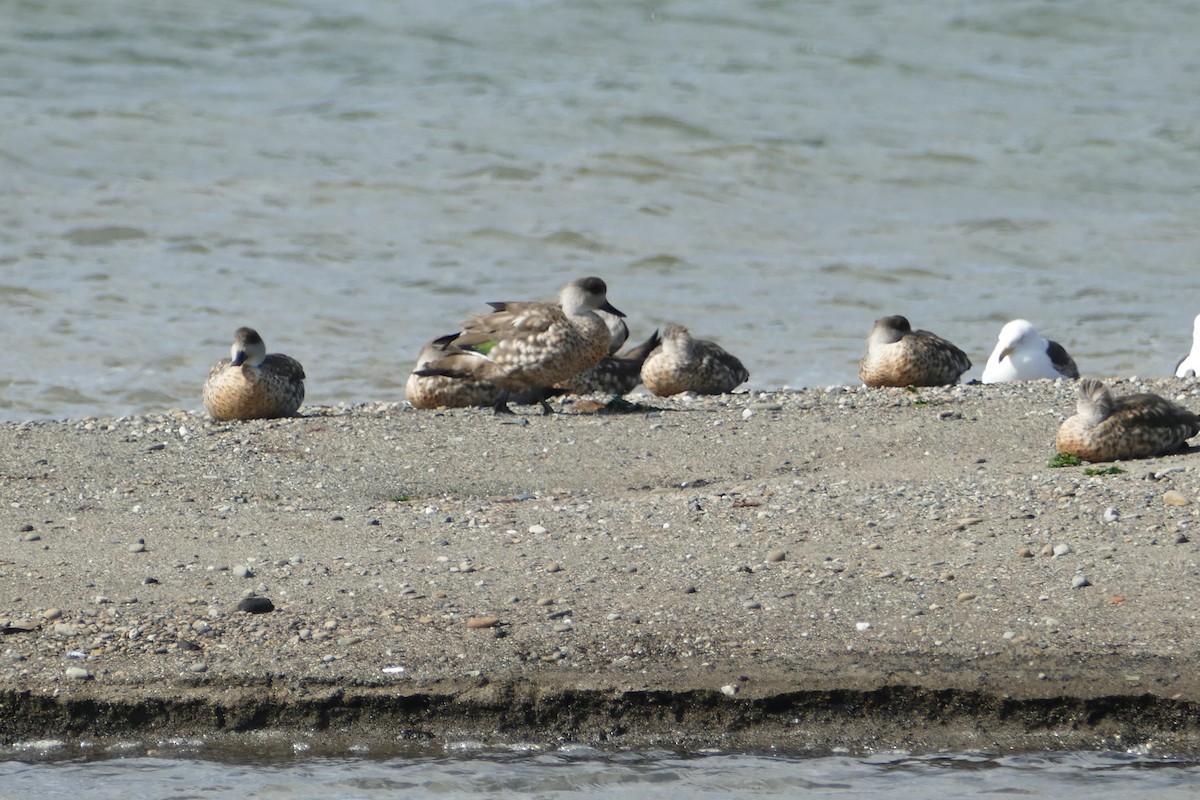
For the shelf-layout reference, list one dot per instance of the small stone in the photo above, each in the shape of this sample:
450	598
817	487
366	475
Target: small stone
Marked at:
537	530
1173	497
553	566
862	627
255	605
1080	581
31	537
198	666
1025	552
51	613
64	629
561	627
242	571
965	597
689	589
137	547
775	556
1061	549
78	673
751	604
477	623
729	689
1181	538
542	602
1111	515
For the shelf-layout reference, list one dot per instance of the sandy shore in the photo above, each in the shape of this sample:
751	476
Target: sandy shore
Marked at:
802	570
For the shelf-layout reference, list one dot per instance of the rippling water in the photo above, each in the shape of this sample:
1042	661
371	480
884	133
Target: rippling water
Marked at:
588	774
353	178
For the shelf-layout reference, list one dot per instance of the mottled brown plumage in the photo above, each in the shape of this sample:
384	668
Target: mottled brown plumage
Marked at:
615	374
252	384
452	382
683	364
1106	428
899	356
528	345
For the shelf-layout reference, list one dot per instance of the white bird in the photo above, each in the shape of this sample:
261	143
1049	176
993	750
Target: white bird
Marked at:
1189	367
1022	354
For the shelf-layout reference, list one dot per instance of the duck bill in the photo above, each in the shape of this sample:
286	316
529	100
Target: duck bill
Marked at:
611	309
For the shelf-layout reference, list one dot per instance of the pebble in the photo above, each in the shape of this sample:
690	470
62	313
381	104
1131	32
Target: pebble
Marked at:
553	566
729	689
255	605
51	613
198	666
775	556
862	627
1079	581
31	537
1173	497
1111	515
137	547
537	530
1061	549
561	627
964	597
751	604
78	673
477	623
242	571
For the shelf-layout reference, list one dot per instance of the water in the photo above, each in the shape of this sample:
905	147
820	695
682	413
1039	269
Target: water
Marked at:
588	774
353	178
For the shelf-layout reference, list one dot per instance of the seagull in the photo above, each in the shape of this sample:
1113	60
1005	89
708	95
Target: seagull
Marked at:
1106	428
683	364
1022	354
899	356
1189	366
251	384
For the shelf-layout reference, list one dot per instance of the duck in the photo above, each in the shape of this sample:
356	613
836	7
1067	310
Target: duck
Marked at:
252	384
529	345
617	374
444	377
899	356
1107	428
681	363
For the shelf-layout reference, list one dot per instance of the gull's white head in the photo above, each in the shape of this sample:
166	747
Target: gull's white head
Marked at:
1018	335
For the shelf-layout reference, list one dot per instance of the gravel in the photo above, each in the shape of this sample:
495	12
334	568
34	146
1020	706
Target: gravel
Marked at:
829	541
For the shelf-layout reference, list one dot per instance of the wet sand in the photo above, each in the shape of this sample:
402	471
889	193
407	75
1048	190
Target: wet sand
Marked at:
802	570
